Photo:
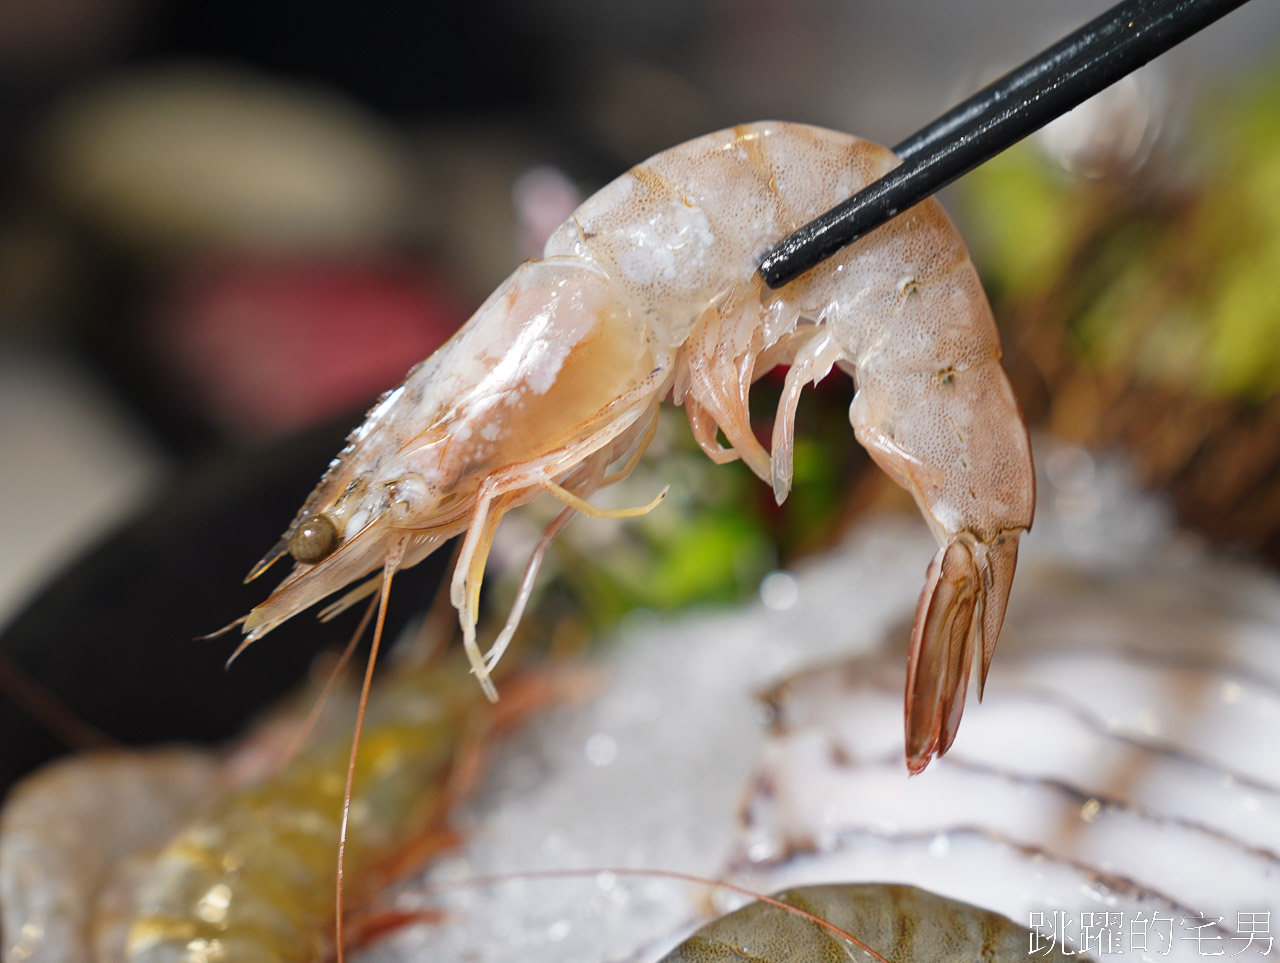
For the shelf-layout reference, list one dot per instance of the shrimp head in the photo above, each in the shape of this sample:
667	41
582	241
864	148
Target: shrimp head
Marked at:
541	391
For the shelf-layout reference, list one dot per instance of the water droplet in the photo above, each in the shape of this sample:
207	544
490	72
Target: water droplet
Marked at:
601	749
558	930
212	906
779	591
1070	468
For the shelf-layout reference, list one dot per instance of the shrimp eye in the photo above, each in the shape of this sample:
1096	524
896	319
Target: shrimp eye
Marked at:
313	540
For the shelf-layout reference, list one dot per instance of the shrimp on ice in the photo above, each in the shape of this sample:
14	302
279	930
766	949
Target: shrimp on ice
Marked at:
649	290
250	876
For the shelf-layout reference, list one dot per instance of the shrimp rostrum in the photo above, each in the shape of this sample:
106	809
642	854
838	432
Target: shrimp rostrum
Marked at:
649	291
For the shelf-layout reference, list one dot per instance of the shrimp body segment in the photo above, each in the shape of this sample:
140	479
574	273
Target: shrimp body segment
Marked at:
250	876
648	291
900	923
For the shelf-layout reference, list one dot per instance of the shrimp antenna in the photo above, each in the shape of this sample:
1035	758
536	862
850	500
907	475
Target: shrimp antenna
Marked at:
222	631
40	703
313	716
395	554
1048	85
244	643
548	874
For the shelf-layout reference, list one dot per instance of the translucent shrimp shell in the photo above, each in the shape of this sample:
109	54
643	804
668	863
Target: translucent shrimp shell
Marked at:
648	291
252	879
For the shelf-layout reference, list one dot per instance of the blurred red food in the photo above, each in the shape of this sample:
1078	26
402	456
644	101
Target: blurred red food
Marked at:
263	348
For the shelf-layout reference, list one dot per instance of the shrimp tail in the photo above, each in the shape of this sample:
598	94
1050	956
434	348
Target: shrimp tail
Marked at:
1001	560
942	643
960	614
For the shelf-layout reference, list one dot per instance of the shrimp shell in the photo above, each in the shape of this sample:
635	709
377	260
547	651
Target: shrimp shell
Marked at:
901	923
252	878
63	835
649	290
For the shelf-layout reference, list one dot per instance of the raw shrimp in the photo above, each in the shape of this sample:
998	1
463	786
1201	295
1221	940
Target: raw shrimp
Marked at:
902	924
66	832
649	290
251	878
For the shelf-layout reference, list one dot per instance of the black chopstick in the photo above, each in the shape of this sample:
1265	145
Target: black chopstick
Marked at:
1022	101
